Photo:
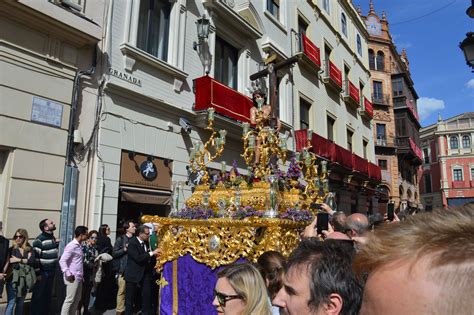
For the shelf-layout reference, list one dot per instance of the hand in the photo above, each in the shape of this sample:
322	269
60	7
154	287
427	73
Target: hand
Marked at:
14	259
329	231
157	252
310	230
2	276
327	208
70	278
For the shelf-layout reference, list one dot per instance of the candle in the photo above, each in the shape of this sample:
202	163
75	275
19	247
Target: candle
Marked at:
245	128
210	112
252	141
217	141
192	155
324	167
283	144
223	167
298	156
223	133
310	134
260	104
326	185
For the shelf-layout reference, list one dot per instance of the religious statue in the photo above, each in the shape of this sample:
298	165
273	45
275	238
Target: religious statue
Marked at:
261	114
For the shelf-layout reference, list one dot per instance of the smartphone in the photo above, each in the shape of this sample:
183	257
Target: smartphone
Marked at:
315	206
390	211
323	222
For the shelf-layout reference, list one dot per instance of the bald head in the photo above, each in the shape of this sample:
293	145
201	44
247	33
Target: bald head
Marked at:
358	224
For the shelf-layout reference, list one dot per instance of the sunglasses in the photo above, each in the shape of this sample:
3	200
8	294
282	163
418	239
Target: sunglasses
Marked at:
93	238
18	236
223	298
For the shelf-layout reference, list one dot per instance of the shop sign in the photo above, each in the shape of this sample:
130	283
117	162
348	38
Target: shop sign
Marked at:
148	170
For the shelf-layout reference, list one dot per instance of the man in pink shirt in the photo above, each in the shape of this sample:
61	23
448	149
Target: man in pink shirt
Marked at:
71	263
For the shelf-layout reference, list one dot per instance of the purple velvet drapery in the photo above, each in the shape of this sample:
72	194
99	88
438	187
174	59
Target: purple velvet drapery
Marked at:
196	283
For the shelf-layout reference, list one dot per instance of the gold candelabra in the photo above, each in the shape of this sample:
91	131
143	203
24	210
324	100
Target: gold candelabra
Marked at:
317	183
202	154
263	142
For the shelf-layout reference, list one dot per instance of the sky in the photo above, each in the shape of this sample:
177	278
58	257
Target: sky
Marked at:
430	31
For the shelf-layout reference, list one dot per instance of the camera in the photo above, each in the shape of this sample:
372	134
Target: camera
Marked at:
185	125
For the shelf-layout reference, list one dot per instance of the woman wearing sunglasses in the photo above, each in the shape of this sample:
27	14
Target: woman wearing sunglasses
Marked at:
89	248
20	273
240	290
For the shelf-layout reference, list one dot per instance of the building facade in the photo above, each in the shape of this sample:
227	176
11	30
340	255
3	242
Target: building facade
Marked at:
395	117
44	46
448	162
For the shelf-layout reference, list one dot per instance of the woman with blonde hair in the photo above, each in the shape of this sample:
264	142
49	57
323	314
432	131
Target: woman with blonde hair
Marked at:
240	290
20	272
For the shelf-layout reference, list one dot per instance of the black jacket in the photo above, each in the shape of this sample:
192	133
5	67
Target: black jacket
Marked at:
4	250
119	254
139	262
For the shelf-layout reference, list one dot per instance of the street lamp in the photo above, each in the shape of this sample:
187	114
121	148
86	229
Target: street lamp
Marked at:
467	46
470	10
202	26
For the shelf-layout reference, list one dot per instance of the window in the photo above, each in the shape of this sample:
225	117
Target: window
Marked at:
427	180
273	6
454	142
326	6
302	26
381	135
472	173
457	174
365	144
397	87
371	60
359	45
383	164
380	61
344	24
304	114
466	141
330	125
349	135
378	90
226	57
426	156
153	27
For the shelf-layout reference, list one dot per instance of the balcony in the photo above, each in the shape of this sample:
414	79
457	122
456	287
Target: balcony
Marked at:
459	184
226	101
351	94
380	99
332	76
384	141
310	53
367	109
407	148
337	154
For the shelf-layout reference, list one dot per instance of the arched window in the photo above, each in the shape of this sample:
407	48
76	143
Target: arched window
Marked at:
359	45
380	61
344	24
466	141
371	60
454	142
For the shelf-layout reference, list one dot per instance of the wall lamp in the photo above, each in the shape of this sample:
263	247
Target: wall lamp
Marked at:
202	26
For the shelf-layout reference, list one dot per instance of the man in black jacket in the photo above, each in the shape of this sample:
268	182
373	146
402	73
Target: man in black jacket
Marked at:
120	262
139	270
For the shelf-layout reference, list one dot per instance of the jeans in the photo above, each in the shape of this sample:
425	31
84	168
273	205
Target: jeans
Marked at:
12	300
42	294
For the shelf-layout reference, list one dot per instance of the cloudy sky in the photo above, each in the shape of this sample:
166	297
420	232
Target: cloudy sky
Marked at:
431	31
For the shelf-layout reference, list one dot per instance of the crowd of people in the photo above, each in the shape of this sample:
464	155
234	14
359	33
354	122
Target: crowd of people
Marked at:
421	265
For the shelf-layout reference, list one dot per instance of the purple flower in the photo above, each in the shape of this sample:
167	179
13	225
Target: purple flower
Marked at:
297	215
197	213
